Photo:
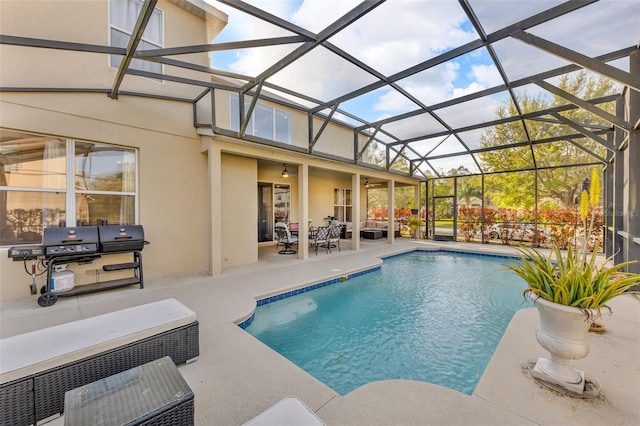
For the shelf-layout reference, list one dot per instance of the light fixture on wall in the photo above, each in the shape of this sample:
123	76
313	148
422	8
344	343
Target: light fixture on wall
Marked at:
366	182
285	172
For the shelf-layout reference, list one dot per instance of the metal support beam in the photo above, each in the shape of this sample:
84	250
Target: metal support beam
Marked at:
216	47
136	35
324	126
579	59
584	131
347	19
252	106
616	121
583	149
60	45
366	145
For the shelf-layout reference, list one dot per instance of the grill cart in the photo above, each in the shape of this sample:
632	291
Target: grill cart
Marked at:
83	245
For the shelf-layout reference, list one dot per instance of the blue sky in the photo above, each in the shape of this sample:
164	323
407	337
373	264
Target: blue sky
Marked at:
403	33
390	38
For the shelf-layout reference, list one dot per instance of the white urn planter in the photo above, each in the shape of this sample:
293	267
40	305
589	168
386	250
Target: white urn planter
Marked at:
563	332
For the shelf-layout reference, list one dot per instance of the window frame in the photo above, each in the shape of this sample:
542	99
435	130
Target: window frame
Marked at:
70	191
344	195
275	113
114	27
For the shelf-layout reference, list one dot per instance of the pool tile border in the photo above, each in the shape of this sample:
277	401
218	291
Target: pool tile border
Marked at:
290	293
280	296
472	253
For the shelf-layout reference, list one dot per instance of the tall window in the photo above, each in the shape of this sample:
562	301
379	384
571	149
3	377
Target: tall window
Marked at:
123	15
342	204
47	182
266	121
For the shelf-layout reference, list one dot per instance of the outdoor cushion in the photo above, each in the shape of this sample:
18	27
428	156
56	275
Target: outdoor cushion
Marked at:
40	350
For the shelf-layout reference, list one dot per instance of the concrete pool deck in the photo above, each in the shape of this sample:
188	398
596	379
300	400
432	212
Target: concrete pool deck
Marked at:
237	377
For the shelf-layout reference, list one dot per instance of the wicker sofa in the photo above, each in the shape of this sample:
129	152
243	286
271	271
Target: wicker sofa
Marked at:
372	225
37	368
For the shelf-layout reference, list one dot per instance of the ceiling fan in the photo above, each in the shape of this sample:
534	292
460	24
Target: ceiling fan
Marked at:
370	185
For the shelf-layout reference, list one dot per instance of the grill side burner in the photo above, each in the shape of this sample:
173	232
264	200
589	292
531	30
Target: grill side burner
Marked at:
70	241
114	238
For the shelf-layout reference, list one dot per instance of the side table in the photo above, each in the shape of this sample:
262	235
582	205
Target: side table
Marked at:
371	234
153	393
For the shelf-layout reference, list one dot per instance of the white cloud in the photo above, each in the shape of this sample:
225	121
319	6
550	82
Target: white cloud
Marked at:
486	75
392	37
472	88
317	15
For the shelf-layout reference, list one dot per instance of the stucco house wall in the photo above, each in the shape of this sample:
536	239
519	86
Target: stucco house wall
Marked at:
172	171
240	210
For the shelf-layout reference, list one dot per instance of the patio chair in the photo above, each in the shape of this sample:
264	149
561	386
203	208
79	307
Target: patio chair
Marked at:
321	239
334	237
283	236
294	228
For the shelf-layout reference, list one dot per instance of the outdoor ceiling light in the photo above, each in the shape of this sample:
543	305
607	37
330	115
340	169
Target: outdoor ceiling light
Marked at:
285	172
366	182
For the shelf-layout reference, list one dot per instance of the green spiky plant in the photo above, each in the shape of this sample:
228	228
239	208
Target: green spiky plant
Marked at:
573	279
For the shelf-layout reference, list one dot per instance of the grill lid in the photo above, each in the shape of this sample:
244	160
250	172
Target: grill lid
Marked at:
121	237
65	241
66	236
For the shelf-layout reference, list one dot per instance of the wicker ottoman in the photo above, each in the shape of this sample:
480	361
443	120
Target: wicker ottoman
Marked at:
372	234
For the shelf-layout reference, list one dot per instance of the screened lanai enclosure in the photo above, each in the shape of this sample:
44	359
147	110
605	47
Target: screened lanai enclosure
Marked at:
502	108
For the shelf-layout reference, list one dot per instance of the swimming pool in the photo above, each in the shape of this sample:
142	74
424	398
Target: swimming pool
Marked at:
429	316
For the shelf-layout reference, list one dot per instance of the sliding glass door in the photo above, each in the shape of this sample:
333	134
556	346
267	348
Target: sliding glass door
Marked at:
274	204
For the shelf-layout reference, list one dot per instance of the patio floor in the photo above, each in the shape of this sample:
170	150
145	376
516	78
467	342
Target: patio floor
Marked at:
237	377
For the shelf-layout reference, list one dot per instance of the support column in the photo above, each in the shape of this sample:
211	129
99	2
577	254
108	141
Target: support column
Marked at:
390	211
355	211
303	211
617	242
632	159
416	203
215	204
607	203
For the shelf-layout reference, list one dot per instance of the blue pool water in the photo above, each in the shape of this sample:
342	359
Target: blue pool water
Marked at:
432	317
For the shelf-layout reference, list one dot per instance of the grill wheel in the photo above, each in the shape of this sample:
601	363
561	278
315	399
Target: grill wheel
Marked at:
47	299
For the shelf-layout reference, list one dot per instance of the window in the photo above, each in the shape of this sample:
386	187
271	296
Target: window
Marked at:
43	179
123	15
266	121
342	204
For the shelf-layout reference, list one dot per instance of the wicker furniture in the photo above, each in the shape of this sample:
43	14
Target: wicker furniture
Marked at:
372	234
37	368
380	225
153	393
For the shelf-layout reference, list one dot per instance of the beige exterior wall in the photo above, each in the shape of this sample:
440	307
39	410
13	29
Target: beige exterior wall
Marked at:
240	210
87	21
321	196
335	140
169	161
172	172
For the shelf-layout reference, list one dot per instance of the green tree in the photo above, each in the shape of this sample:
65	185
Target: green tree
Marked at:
560	184
468	188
